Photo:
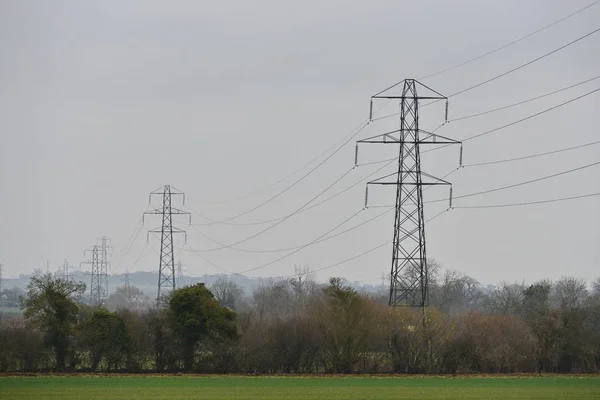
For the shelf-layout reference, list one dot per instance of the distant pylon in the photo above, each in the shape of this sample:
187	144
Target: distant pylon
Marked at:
2	296
127	280
127	286
409	272
64	270
179	274
97	293
104	267
166	266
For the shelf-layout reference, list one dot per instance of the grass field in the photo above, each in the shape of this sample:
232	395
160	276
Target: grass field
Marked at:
326	388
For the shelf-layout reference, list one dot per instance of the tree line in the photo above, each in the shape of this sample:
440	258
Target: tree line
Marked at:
300	326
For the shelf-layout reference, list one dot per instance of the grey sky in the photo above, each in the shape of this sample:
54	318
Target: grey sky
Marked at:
102	102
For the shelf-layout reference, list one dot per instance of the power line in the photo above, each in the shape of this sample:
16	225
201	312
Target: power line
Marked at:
530	116
142	254
505	73
444	211
197	251
301	246
130	242
520	120
364	124
199	254
529	202
306	245
524	101
522	183
296	182
368	251
360	127
526	64
511	43
292	252
281	220
303	209
531	155
320	238
507	186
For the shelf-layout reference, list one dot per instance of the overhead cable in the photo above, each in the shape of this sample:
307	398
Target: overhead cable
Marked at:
511	43
529	203
362	125
524	101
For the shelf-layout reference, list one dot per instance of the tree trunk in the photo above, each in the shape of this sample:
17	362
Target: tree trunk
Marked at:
188	355
61	356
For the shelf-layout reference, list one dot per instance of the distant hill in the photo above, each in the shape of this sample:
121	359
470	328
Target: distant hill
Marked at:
148	281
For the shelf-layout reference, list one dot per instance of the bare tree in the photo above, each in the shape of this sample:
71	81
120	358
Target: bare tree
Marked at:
570	293
457	292
505	299
128	298
227	292
303	284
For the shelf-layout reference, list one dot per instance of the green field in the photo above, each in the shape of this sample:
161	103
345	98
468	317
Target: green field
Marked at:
326	388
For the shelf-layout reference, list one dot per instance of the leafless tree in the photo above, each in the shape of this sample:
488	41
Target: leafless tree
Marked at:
227	292
505	298
128	298
570	293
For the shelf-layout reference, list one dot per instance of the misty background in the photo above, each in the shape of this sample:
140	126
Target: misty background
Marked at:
103	102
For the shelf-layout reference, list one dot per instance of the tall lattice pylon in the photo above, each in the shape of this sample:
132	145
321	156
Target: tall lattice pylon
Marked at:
166	266
97	293
104	267
409	273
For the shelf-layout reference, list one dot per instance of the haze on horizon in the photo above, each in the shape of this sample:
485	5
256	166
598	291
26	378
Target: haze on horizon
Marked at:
103	102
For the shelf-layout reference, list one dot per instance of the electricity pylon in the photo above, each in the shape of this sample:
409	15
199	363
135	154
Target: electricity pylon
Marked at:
104	267
98	292
64	269
2	296
100	263
166	266
179	273
409	272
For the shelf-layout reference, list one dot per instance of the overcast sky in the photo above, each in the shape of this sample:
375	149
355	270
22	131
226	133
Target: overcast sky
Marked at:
102	102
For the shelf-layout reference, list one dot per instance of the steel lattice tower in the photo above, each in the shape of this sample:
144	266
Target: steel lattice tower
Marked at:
97	297
64	270
104	266
2	297
100	264
409	273
166	266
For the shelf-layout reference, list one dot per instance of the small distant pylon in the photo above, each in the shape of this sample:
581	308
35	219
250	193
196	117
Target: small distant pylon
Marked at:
97	297
179	274
64	270
99	260
104	266
2	296
166	266
127	280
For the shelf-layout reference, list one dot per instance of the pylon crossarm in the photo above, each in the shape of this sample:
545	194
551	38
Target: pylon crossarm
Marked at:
410	183
410	97
428	134
442	182
368	140
174	211
160	230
